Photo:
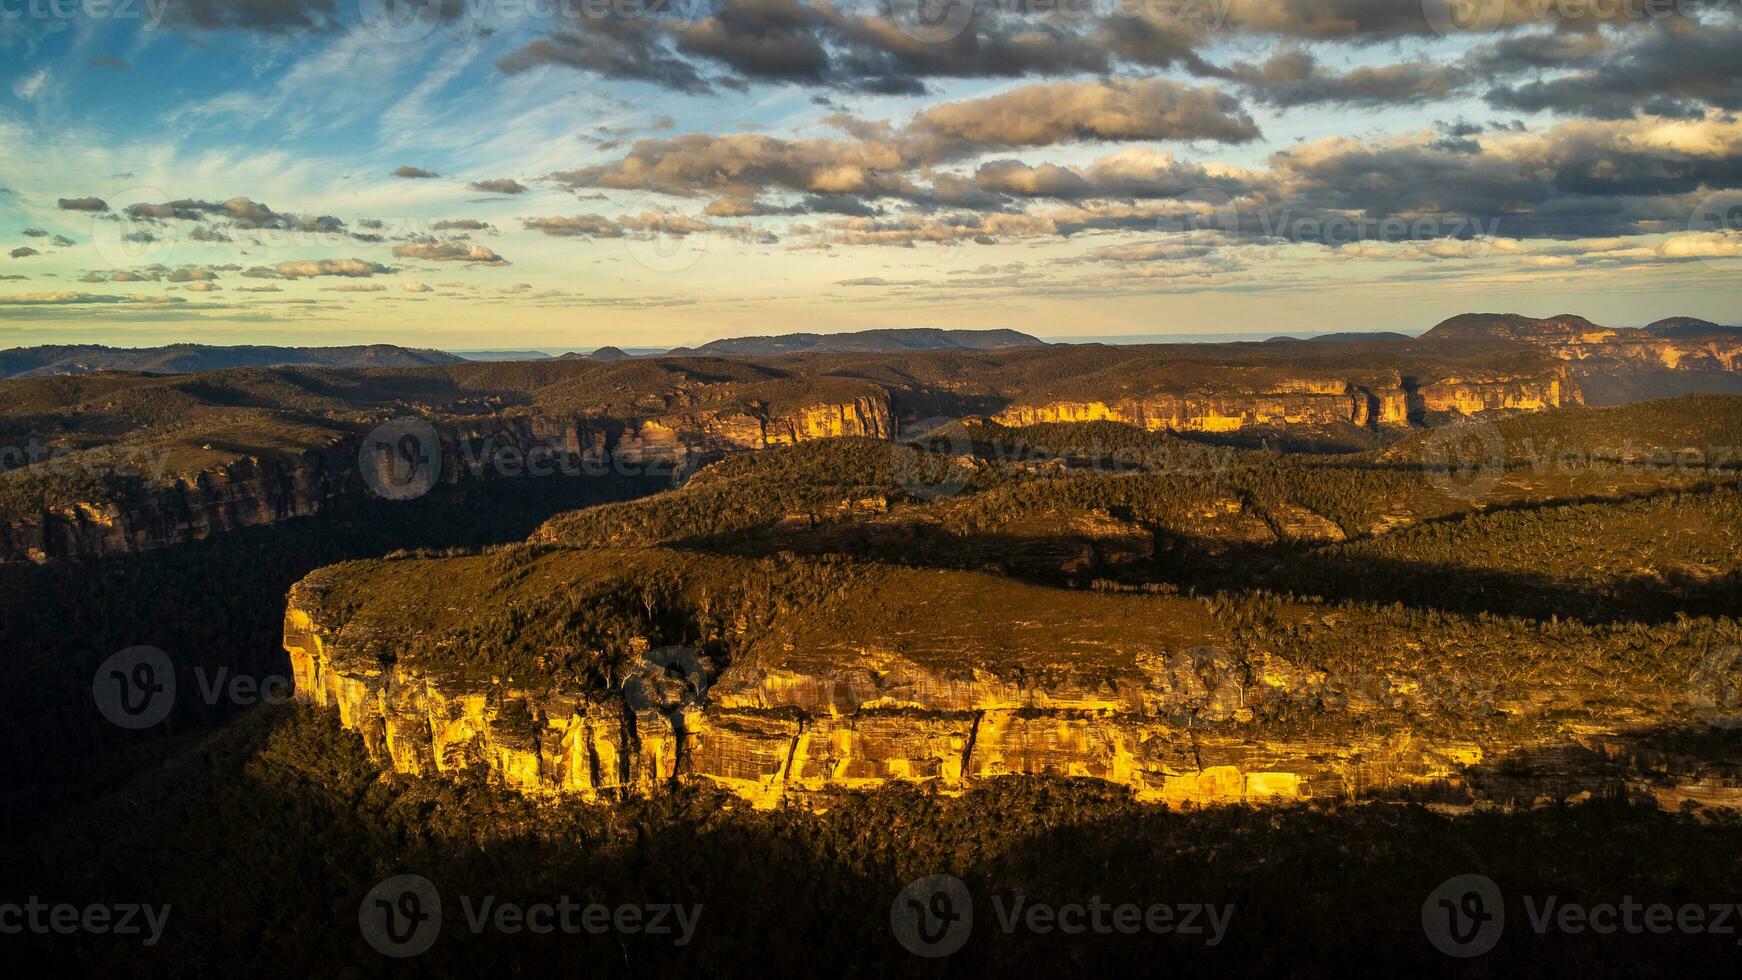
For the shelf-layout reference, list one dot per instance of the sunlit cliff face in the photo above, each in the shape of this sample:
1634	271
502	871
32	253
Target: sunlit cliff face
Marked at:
481	175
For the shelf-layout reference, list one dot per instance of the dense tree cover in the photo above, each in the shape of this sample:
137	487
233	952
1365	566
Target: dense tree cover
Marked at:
265	838
264	826
216	607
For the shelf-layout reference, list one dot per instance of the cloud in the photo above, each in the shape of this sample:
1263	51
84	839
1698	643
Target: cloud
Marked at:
310	268
30	86
1112	110
93	204
576	226
24	252
354	288
416	287
203	287
1293	77
415	173
1672	68
459	224
878	160
448	252
241	211
73	298
500	186
260	16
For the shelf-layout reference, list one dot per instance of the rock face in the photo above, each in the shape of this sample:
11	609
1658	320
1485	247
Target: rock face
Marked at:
1304	401
1165	700
1311	402
255	490
247	492
1607	365
1472	396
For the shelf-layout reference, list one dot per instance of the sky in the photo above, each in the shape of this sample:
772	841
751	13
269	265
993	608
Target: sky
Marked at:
564	174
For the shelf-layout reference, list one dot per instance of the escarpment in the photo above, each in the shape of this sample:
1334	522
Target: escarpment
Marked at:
601	673
254	446
148	509
1232	405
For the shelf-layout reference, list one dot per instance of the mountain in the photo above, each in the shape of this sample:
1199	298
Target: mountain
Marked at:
1478	328
1348	337
602	354
31	362
866	342
504	355
1687	326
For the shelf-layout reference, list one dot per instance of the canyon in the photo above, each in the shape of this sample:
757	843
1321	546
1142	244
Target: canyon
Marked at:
680	413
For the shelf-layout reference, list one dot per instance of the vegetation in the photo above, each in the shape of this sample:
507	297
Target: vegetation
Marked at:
265	838
1603	588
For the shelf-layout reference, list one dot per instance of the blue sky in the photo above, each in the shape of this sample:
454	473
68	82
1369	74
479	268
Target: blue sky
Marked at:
290	171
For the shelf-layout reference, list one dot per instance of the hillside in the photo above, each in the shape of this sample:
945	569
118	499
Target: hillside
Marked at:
30	362
866	341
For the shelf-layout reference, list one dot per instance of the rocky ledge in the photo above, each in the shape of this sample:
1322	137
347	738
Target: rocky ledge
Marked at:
790	685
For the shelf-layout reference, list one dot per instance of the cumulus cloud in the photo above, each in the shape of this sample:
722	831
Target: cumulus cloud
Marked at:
1673	67
241	212
576	226
24	252
416	287
74	298
1294	77
878	160
448	252
415	173
93	204
1112	110
500	186
310	268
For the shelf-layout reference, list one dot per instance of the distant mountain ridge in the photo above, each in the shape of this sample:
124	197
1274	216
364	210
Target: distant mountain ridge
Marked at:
1467	327
52	359
865	342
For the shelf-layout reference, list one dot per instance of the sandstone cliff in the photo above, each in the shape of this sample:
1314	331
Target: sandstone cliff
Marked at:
1295	401
265	488
1153	692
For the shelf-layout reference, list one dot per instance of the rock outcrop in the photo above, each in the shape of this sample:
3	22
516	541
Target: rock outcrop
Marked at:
1151	692
263	489
1300	401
